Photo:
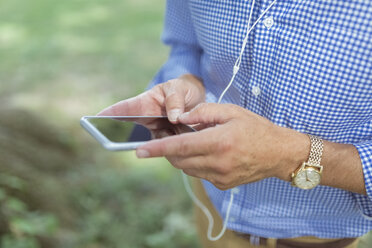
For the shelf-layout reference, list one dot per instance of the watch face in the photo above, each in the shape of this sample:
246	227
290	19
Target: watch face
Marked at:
307	178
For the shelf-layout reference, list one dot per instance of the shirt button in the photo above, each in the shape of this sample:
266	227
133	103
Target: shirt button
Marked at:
232	219
256	90
269	22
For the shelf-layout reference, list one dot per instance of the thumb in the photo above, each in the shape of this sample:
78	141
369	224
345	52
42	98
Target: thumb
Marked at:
208	113
174	104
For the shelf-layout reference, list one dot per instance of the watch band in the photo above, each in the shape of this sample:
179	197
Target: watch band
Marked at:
316	150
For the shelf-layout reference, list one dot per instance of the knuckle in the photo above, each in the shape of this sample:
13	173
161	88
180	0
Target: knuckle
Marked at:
170	85
221	186
171	81
161	150
204	109
233	107
174	161
225	145
206	106
233	110
116	108
158	87
222	169
163	87
222	183
184	147
200	107
167	83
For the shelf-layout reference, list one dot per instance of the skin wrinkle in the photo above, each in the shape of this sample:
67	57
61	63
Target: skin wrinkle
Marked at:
159	98
188	97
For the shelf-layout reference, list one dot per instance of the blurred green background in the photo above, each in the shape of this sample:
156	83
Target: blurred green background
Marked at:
60	60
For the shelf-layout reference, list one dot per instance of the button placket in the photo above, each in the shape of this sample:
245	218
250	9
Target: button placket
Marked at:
257	81
268	23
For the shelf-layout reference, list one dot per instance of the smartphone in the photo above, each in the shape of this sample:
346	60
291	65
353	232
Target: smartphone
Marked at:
114	132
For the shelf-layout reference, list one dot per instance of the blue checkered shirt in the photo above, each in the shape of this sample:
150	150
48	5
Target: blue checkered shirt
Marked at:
307	66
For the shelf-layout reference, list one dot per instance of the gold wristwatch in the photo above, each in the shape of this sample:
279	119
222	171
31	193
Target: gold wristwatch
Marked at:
308	175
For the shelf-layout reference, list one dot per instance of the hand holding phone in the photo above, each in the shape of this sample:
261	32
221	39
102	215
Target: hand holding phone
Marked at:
112	132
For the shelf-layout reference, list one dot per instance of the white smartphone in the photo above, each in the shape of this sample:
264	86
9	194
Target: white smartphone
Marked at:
113	132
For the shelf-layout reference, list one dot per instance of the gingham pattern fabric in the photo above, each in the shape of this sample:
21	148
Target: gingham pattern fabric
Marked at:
307	66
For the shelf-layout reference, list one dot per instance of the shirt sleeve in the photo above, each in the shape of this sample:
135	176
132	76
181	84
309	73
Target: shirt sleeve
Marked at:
365	202
179	34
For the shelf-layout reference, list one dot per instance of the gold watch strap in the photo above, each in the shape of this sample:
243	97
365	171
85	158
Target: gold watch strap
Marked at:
316	150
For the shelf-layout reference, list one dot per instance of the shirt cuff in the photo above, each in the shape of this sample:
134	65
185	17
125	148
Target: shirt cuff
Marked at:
183	59
365	154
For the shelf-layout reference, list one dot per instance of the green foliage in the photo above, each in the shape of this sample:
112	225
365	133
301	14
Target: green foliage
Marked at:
142	209
24	226
59	198
34	223
8	241
11	182
61	60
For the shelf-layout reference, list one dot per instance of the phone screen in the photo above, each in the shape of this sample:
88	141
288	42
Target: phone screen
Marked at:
118	131
128	132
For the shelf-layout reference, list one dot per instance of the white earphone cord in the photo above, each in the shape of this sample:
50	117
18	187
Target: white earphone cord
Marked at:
185	180
239	60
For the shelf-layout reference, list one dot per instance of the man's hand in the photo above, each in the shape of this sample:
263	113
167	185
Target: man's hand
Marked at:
170	99
237	147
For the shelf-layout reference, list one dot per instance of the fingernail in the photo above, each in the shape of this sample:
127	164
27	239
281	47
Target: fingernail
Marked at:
142	154
174	114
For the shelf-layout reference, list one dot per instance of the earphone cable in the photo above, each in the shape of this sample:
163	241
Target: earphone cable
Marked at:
234	190
239	60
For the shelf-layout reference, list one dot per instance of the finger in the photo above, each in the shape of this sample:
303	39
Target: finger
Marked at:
209	113
188	144
174	102
158	134
135	106
180	129
199	127
124	108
